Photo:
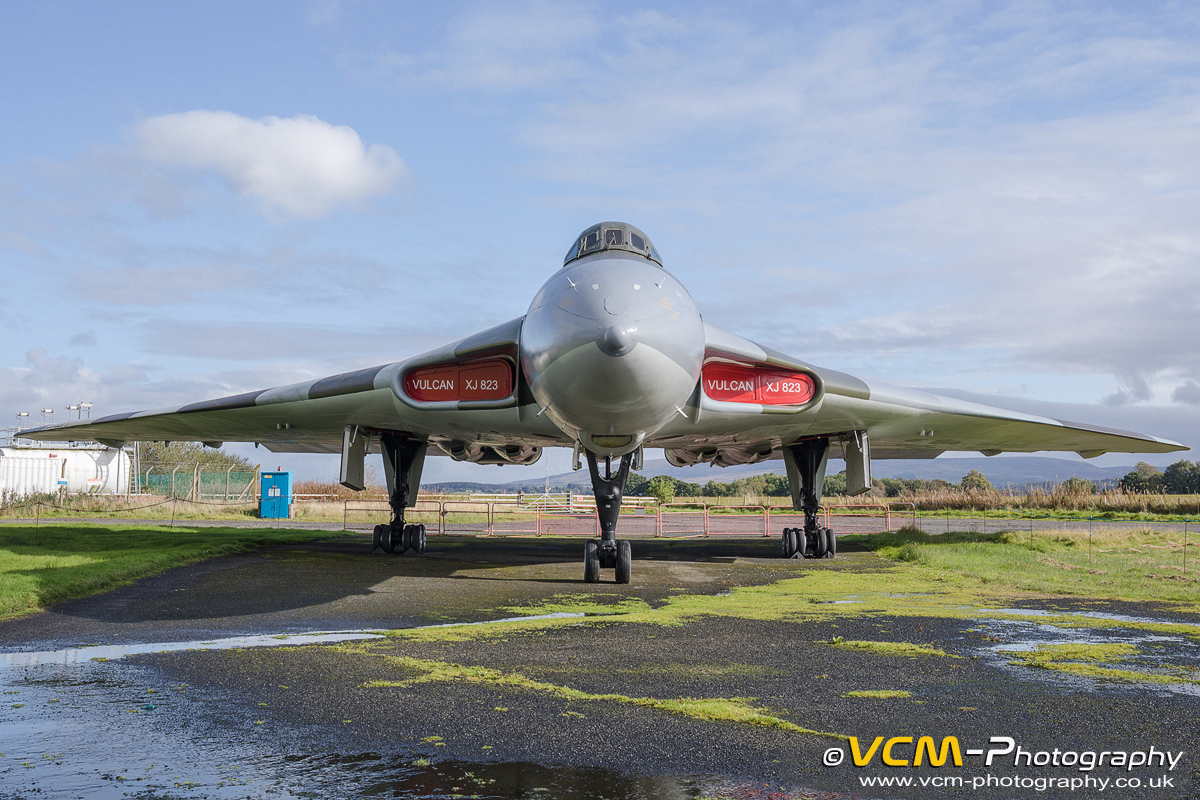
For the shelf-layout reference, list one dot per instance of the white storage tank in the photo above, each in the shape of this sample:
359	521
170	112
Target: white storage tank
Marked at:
32	470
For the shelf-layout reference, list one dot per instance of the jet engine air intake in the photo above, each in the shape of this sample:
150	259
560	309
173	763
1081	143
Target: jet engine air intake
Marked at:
491	379
758	383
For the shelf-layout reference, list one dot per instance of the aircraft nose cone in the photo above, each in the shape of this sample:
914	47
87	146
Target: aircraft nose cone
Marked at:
616	341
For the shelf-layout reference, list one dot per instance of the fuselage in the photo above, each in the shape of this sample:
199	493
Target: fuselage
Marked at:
611	348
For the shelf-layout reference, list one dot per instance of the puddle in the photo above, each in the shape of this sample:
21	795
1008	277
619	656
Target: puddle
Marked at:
75	655
87	735
1154	651
109	652
1034	612
74	725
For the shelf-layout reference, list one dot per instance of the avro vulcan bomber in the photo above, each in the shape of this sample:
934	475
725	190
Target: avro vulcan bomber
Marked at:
611	357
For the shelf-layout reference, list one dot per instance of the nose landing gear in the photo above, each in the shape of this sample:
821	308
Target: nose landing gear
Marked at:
608	552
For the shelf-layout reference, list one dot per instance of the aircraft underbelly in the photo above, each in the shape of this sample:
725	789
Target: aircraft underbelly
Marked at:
593	391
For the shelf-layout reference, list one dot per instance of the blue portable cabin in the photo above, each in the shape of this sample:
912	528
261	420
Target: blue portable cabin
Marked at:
275	499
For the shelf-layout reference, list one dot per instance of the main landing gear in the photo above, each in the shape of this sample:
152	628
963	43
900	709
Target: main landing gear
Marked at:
819	543
607	551
411	537
806	471
402	460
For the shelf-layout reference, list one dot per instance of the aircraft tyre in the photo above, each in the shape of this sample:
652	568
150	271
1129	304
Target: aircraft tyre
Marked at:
591	561
789	543
387	538
406	539
830	543
418	539
820	546
624	561
377	539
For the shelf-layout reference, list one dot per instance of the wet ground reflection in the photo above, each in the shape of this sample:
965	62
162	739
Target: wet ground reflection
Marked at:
76	723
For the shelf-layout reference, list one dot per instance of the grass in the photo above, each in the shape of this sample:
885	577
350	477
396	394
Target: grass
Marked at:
116	508
1126	564
40	566
880	694
942	503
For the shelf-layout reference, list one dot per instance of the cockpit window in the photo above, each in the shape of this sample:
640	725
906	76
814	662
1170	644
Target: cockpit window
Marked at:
615	236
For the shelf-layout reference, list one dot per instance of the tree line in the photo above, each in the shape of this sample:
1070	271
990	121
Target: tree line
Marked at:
1182	477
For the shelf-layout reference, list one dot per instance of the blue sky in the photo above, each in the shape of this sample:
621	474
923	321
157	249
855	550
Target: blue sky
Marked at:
994	198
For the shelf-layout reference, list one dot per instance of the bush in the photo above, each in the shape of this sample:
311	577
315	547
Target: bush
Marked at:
976	481
1145	479
1078	486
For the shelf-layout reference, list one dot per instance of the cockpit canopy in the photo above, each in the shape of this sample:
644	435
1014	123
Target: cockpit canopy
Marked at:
612	236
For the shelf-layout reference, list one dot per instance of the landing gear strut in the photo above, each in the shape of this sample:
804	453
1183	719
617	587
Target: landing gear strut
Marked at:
806	474
607	551
402	462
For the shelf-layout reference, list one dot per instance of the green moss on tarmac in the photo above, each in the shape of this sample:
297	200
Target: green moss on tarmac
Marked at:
857	584
719	709
1084	660
907	649
673	671
881	694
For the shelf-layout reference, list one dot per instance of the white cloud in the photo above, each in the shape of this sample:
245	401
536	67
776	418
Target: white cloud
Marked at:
516	46
1017	183
301	165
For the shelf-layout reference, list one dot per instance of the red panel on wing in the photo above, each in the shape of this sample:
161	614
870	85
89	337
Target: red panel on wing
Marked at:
772	386
784	387
732	383
481	380
432	384
486	380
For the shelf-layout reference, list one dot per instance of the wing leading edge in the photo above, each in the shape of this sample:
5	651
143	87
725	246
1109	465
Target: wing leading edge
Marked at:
311	416
900	422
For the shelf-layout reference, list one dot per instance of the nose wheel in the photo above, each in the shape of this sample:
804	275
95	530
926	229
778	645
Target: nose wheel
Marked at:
597	556
608	552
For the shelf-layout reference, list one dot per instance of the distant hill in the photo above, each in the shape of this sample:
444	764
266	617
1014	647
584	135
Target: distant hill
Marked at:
1015	472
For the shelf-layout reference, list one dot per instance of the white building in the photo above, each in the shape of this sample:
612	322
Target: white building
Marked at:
30	470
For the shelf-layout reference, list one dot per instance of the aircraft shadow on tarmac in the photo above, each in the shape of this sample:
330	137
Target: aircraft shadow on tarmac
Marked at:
342	580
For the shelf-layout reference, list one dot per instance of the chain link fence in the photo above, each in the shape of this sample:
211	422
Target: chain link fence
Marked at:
196	485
